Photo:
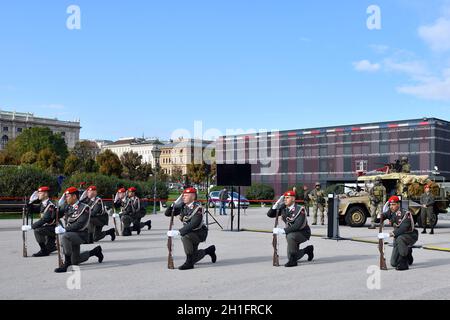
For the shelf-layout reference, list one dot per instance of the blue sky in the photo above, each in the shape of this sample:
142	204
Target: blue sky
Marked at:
153	67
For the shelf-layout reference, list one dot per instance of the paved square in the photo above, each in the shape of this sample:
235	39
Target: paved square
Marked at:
136	267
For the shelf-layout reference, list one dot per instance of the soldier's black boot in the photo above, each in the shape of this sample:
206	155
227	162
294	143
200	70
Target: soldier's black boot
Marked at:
43	252
112	233
90	238
309	250
403	264
432	231
410	257
97	251
292	262
211	251
149	224
188	265
424	231
67	264
126	232
137	228
51	247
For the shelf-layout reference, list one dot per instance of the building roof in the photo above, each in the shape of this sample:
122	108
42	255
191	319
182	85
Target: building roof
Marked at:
353	128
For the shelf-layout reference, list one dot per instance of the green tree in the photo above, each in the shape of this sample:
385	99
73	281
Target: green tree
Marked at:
29	157
109	164
72	165
131	162
177	175
38	139
49	160
260	191
85	150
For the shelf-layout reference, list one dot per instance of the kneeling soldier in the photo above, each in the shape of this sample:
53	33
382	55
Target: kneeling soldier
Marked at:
131	212
194	231
44	229
75	233
404	234
99	217
297	230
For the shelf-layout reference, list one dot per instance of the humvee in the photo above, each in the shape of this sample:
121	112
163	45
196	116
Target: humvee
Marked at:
354	206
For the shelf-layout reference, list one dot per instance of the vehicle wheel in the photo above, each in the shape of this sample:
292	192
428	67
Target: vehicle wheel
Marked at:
231	206
212	204
356	217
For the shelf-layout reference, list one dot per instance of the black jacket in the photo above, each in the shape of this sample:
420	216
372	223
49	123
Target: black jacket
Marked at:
192	219
47	211
402	221
77	217
295	220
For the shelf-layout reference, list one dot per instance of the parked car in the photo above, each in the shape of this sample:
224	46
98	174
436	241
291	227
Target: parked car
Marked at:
214	200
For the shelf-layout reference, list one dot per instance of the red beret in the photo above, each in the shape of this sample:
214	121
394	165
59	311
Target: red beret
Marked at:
82	183
121	190
132	189
190	190
71	190
428	186
394	199
290	194
43	189
92	188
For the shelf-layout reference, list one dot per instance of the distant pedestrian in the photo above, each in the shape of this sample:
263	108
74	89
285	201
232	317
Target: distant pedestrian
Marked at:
223	197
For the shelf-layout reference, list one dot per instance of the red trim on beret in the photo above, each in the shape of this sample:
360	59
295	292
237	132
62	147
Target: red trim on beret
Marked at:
92	188
43	189
289	194
394	199
190	191
121	190
71	190
132	189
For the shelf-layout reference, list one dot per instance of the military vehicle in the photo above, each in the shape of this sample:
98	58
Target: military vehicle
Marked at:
354	206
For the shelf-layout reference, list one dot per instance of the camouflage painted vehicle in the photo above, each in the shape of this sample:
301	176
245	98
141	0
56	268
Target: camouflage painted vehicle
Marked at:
354	206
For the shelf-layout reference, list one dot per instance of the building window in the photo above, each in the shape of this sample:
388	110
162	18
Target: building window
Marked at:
361	165
19	130
5	129
4	141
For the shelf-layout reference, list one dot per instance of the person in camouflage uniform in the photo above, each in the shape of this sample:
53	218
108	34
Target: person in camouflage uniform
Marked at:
427	213
317	197
378	197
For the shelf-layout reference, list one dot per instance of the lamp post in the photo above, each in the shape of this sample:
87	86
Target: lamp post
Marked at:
156	153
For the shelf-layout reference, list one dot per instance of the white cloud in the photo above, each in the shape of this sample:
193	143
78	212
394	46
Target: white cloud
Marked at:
379	48
437	35
436	89
366	66
414	68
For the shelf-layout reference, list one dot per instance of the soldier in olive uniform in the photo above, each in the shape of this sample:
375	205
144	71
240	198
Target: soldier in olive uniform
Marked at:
378	197
427	214
131	212
317	197
99	217
404	234
194	230
406	167
75	233
306	199
44	229
297	230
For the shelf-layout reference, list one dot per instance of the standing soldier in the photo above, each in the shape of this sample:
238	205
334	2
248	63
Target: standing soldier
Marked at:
297	230
427	214
44	229
406	167
404	234
378	197
317	197
75	233
131	212
99	217
194	230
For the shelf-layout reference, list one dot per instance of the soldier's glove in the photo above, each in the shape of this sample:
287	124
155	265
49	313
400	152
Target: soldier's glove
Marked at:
383	236
173	233
26	228
279	231
60	230
279	203
386	207
115	215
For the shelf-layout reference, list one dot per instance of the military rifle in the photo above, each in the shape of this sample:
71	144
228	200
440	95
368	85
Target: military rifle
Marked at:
58	246
114	212
24	233
170	264
276	258
383	265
